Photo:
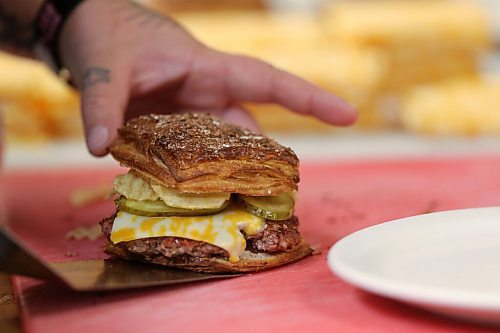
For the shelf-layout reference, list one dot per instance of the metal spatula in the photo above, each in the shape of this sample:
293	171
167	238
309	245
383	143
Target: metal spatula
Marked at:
90	275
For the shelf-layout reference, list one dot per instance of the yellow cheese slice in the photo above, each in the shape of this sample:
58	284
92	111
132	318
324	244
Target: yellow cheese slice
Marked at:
222	229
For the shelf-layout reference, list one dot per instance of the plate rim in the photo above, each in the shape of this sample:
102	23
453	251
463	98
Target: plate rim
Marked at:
408	292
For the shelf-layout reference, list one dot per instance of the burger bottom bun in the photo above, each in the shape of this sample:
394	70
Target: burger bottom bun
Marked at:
249	261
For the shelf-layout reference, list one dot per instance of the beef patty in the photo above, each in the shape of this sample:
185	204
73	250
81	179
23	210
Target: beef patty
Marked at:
278	236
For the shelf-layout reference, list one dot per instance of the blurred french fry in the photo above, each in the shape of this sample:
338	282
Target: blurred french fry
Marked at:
92	233
88	195
36	105
454	107
252	32
424	41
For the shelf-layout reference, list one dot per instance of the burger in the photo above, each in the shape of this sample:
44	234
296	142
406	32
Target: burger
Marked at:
203	195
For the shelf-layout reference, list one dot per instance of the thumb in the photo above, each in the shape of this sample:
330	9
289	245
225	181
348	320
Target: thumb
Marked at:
104	96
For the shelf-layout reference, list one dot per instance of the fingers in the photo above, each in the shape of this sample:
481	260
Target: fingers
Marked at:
93	48
239	116
104	97
252	80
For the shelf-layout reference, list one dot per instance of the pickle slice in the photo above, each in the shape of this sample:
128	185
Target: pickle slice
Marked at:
279	207
158	208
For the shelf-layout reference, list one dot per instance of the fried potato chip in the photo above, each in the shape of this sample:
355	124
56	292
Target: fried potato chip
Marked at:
134	187
174	198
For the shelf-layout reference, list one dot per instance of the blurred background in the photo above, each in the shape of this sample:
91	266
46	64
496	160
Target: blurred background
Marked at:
424	74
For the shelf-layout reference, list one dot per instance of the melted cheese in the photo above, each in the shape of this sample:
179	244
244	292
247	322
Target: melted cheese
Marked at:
222	229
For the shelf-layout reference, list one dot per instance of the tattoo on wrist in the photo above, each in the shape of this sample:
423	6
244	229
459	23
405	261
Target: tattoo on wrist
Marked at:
95	75
14	33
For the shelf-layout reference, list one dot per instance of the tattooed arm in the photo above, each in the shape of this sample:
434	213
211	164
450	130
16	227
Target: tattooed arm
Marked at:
16	25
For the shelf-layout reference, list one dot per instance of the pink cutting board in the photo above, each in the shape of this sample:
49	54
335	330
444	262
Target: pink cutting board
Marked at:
334	200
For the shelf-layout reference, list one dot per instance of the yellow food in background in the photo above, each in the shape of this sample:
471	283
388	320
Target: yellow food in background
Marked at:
370	53
35	104
254	32
87	195
454	107
423	40
297	43
393	24
377	55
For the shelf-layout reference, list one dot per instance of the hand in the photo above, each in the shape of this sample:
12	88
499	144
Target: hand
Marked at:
128	61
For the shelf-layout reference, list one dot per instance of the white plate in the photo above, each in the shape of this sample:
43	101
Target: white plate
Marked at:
447	262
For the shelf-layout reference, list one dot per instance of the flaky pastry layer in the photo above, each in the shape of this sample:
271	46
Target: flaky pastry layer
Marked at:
198	153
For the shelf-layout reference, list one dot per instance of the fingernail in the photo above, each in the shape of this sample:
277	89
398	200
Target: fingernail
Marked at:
98	137
345	113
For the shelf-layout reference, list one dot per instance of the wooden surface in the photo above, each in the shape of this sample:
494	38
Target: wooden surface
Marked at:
334	200
9	315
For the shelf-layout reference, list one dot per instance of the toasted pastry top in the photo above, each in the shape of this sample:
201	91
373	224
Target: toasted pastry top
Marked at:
198	153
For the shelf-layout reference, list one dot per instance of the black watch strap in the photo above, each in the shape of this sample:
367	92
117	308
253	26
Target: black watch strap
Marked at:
48	25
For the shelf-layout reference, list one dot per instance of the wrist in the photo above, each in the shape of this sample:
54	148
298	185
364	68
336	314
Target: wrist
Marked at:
49	22
16	25
24	11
